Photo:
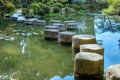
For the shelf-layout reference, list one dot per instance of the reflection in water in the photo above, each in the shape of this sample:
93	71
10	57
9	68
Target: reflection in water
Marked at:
111	41
23	44
112	50
81	25
65	78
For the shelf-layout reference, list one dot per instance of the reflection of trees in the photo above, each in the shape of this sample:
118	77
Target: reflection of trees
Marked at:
103	23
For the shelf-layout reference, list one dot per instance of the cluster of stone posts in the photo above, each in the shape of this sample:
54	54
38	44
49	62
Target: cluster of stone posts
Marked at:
58	31
89	57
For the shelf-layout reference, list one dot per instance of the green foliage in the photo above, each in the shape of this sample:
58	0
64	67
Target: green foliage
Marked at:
114	7
3	23
6	7
9	7
35	7
109	10
46	9
76	7
58	5
25	11
56	10
41	12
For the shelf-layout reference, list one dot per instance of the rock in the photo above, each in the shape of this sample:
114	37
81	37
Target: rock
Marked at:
51	34
69	21
92	48
52	27
54	21
30	21
71	26
61	26
40	22
65	37
78	40
113	72
21	19
88	63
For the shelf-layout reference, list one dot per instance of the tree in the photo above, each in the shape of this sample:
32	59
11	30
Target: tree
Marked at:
114	7
6	6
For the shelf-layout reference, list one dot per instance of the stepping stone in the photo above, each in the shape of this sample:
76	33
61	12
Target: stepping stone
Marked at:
54	21
30	21
61	26
69	21
88	64
65	37
21	19
78	40
113	72
92	48
51	34
71	26
52	27
40	22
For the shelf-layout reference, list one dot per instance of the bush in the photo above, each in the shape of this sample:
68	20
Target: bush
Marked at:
109	11
41	12
67	5
76	7
46	9
56	10
58	5
25	11
35	8
9	7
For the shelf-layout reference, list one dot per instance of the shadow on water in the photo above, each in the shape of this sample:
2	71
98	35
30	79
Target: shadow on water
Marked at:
109	37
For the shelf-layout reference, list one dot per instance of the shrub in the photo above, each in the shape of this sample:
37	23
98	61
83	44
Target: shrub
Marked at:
67	5
35	8
56	9
46	9
76	7
25	11
109	10
41	12
9	7
59	5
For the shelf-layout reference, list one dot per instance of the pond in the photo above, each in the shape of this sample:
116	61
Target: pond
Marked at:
109	37
30	57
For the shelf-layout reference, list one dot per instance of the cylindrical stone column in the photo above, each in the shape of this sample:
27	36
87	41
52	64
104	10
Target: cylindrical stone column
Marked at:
78	40
51	34
88	64
113	72
65	37
92	48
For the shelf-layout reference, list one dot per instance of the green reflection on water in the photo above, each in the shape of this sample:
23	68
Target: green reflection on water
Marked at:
41	61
